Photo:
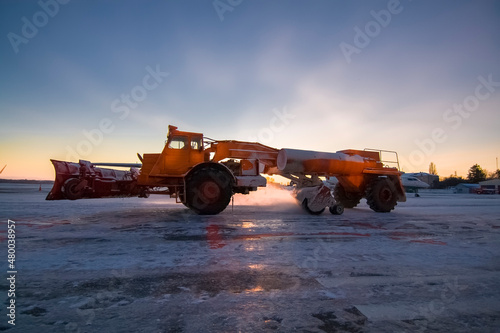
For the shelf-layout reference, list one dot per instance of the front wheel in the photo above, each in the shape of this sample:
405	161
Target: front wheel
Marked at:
347	199
208	191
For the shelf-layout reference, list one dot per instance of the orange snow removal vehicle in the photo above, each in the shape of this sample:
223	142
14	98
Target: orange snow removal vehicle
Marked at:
203	174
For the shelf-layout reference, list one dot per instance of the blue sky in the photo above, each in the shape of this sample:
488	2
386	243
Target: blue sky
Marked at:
230	78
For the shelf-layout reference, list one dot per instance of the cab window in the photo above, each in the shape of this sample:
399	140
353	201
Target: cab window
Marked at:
178	142
196	143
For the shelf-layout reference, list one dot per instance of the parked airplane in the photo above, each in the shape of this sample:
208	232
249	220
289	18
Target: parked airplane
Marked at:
412	184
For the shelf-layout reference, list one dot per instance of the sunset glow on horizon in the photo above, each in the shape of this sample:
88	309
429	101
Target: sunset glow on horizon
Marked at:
102	81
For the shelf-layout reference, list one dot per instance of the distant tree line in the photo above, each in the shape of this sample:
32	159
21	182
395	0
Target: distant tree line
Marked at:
475	175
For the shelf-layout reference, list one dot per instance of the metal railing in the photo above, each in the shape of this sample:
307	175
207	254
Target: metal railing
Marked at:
387	163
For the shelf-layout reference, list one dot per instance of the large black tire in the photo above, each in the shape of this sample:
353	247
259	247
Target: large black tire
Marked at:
70	189
305	206
208	191
346	199
381	195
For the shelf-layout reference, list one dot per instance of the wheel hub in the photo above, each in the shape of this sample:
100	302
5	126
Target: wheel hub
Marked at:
210	191
385	195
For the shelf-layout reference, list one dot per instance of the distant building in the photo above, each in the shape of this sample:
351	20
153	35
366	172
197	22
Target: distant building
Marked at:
490	186
426	177
466	188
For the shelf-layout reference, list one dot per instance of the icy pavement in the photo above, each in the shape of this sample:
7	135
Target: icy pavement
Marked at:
150	265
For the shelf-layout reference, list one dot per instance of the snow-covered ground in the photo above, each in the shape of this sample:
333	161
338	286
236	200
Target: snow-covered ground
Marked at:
150	265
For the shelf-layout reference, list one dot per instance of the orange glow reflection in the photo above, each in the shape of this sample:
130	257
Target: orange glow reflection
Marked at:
248	225
254	290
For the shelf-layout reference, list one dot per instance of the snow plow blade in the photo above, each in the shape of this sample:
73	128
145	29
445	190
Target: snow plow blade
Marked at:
85	180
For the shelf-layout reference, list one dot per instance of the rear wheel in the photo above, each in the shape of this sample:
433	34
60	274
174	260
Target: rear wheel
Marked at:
381	195
347	199
208	191
305	206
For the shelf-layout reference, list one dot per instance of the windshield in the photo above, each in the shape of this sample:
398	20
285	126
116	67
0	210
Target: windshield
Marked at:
178	142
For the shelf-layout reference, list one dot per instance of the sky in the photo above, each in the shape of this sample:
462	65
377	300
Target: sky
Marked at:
101	81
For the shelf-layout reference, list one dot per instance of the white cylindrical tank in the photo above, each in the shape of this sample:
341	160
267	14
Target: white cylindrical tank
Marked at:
308	161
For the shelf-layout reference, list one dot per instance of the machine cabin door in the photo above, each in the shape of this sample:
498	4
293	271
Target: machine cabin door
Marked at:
181	153
196	154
